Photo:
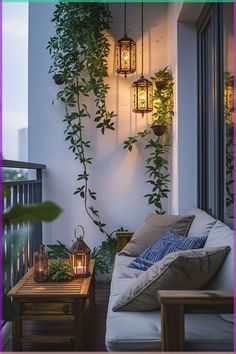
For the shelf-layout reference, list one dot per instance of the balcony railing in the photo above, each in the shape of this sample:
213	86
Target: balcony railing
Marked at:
25	187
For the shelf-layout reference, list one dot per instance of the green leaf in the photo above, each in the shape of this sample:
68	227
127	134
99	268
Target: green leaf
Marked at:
46	211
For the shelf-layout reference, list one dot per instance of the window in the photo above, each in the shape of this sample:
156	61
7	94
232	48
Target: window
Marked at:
215	111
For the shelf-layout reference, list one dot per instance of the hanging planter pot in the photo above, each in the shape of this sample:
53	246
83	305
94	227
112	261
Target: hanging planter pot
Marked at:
158	130
161	85
58	79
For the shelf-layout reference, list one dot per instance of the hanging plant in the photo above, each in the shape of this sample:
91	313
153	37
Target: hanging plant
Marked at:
79	51
157	163
163	98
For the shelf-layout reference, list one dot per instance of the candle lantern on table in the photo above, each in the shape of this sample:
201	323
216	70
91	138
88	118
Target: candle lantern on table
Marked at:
79	255
40	265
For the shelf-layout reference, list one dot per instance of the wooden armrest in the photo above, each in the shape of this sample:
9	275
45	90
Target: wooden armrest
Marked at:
176	303
196	297
123	238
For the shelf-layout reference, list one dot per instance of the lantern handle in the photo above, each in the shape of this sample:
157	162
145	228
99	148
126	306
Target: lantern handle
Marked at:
77	227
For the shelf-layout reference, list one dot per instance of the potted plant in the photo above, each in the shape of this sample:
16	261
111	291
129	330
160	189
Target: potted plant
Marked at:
163	101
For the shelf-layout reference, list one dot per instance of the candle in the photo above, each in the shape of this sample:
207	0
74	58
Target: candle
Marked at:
79	269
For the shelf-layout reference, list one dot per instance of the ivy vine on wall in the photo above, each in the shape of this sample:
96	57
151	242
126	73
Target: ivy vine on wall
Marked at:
79	50
157	162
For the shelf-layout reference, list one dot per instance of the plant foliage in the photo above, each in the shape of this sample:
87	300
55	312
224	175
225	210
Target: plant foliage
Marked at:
79	51
60	270
163	97
157	163
58	251
46	211
105	255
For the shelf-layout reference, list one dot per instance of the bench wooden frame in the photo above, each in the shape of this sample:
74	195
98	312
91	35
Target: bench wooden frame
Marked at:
123	237
176	303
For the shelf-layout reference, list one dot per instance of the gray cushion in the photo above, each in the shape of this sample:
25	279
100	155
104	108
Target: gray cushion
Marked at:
155	226
182	270
202	223
220	236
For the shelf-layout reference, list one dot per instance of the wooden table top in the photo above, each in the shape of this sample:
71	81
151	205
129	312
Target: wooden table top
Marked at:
27	287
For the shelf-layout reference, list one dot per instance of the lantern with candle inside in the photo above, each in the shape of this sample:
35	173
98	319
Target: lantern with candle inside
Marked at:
142	96
125	56
40	265
79	255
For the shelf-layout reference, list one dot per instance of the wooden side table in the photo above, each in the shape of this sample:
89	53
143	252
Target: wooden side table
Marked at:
51	301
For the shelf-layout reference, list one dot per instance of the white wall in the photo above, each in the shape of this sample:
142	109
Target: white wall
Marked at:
117	175
183	63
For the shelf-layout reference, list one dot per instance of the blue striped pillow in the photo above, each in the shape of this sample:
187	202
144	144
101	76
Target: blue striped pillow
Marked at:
168	243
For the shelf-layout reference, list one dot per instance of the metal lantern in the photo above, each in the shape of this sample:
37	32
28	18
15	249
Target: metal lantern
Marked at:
125	53
79	255
142	96
142	89
40	265
125	56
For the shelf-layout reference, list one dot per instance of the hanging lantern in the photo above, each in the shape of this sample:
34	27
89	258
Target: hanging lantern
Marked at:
142	90
142	96
125	53
79	255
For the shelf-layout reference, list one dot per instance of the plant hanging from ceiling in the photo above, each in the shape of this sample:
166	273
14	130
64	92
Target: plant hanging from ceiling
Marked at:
79	51
157	163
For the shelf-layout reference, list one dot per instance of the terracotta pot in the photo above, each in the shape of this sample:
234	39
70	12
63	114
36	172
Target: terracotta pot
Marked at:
58	79
159	130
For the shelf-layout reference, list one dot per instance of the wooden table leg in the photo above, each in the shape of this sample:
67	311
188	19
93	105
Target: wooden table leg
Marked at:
92	300
172	327
17	328
79	311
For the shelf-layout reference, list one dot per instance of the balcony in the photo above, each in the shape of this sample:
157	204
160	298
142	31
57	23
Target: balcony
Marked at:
109	155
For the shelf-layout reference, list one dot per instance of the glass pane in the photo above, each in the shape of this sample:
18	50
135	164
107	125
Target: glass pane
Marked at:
228	111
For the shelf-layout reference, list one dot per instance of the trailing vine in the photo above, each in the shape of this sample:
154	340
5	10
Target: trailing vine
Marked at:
79	51
156	163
